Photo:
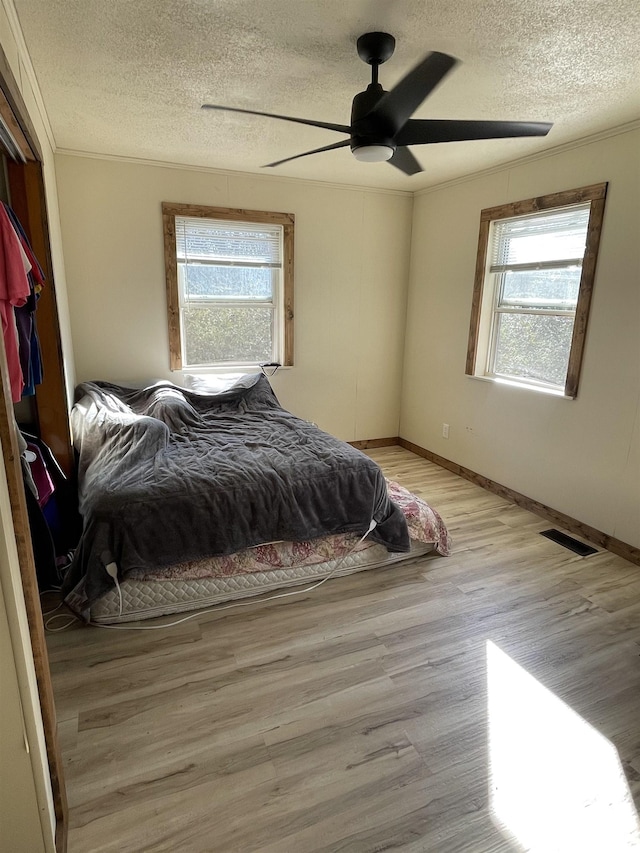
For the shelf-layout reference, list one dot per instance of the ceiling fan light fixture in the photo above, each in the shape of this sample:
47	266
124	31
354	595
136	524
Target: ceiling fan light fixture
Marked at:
373	153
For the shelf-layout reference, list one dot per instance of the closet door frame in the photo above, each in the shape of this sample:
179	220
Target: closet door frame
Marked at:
27	198
26	188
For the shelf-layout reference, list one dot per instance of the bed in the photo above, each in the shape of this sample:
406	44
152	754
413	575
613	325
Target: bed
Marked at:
190	498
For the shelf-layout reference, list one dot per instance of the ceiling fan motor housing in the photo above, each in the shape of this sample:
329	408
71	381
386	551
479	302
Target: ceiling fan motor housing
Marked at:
362	134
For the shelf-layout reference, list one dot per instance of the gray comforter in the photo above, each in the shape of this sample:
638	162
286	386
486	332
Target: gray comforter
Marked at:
168	475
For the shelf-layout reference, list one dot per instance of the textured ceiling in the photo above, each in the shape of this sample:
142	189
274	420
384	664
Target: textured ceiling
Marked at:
127	77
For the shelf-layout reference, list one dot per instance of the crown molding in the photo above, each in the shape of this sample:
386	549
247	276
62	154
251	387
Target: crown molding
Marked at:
501	167
25	63
628	127
229	173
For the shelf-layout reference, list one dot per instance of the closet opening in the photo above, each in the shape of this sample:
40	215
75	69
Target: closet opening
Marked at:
42	413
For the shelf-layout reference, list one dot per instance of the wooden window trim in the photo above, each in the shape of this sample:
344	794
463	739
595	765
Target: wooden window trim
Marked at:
169	212
594	193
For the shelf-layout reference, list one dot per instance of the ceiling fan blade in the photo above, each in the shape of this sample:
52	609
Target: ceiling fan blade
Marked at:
395	107
342	144
426	131
404	160
341	128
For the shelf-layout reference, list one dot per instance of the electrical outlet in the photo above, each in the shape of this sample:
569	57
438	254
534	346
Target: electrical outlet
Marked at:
445	430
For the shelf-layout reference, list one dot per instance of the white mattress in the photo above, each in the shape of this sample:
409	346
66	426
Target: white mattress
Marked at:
143	599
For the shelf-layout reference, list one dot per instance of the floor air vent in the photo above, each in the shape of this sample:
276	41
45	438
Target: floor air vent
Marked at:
569	542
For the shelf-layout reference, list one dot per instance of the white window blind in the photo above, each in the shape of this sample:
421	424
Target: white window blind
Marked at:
230	290
540	241
225	243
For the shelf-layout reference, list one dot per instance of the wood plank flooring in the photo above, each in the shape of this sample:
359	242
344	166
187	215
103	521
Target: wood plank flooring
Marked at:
487	702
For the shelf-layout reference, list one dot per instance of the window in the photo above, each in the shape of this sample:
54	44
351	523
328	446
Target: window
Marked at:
229	286
534	277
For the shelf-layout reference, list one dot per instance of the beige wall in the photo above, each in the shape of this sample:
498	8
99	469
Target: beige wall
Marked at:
352	254
351	277
581	457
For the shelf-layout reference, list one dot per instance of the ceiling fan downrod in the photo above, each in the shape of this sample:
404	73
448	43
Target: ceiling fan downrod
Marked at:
374	49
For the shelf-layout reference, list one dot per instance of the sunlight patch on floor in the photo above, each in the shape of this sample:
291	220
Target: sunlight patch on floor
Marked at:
555	782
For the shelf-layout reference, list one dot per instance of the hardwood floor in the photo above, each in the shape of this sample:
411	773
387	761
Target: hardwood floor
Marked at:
488	702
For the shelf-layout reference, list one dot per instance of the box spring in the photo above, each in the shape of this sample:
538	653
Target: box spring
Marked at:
143	599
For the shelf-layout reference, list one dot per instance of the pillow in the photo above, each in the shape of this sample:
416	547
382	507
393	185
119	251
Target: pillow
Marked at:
211	383
172	407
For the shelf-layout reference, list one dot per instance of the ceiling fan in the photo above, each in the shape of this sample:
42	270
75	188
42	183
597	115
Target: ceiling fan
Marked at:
381	125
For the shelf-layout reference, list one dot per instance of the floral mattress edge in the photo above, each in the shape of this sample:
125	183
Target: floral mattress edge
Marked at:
425	525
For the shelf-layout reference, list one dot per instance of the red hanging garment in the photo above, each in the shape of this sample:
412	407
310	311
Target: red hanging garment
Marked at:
14	291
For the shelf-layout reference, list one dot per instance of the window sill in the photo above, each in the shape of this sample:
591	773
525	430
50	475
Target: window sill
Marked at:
549	392
236	370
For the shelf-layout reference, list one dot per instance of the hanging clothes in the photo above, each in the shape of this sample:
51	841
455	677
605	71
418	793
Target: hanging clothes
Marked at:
28	342
14	292
52	505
